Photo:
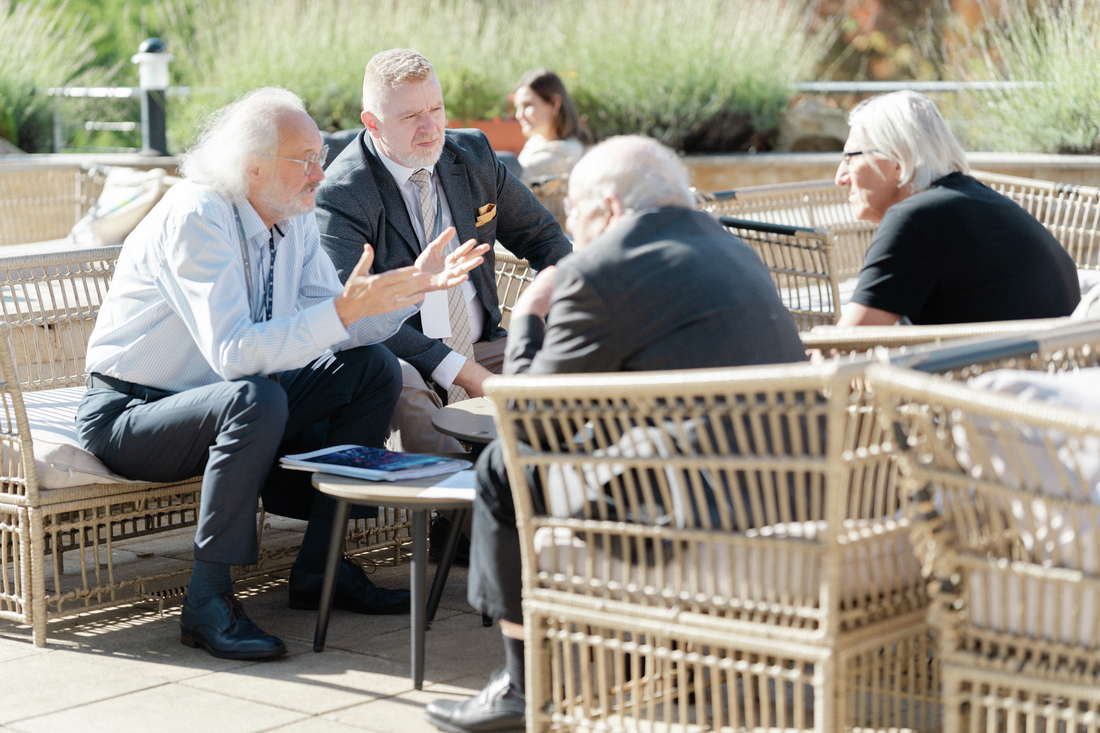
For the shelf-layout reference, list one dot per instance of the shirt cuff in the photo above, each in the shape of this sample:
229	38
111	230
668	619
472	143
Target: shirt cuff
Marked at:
444	374
325	325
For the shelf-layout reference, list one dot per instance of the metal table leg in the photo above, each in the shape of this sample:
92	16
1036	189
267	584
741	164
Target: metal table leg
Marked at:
419	592
332	566
458	519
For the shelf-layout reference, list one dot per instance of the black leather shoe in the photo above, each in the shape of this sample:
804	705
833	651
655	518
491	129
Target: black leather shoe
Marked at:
437	540
221	627
497	709
354	591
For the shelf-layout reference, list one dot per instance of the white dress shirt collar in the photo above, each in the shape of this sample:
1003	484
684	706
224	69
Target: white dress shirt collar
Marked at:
400	173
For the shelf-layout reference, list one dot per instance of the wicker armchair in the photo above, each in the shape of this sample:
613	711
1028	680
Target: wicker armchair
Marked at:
513	275
43	202
63	516
1005	523
1070	212
551	191
722	550
820	205
802	264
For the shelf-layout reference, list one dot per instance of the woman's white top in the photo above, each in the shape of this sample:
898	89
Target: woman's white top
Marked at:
541	157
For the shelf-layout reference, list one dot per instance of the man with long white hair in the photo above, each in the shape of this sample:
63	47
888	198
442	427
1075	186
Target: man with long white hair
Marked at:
654	285
222	286
948	249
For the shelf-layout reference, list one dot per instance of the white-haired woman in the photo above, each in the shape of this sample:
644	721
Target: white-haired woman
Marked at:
948	249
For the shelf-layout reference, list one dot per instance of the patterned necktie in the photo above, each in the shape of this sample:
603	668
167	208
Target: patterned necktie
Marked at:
456	303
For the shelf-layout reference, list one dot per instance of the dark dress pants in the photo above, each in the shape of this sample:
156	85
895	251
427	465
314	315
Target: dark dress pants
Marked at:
230	433
495	585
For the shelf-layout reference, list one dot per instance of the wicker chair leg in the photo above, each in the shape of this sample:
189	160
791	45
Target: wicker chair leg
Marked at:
828	714
36	590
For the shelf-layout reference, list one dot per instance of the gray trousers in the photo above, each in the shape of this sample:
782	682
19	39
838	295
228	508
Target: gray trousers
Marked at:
230	433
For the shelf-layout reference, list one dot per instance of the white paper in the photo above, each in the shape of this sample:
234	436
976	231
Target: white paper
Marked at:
435	315
458	485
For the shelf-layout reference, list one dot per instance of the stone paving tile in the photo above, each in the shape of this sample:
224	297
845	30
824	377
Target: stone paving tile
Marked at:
311	683
458	646
119	669
166	709
37	685
401	714
313	725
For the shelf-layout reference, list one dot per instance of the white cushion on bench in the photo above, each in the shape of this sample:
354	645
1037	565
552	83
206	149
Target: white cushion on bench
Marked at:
58	458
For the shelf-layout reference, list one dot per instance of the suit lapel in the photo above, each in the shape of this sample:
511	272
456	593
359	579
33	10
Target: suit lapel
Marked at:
397	214
452	176
456	184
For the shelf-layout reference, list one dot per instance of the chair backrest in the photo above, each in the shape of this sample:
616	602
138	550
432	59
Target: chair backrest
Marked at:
852	340
819	205
513	275
802	264
43	202
551	191
51	301
761	494
1069	211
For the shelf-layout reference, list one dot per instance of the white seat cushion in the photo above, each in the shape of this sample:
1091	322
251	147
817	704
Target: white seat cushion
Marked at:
1049	463
874	562
59	460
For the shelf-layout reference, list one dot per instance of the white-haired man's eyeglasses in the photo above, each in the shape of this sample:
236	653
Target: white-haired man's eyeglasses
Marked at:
318	158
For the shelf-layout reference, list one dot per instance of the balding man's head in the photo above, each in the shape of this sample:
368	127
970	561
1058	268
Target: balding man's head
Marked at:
619	176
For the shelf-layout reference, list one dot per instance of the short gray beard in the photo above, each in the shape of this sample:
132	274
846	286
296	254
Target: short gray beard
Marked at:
412	160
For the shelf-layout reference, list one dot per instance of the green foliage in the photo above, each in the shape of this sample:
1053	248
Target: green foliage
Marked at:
698	74
41	48
1056	43
124	28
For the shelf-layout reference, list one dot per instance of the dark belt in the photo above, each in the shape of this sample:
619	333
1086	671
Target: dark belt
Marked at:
121	385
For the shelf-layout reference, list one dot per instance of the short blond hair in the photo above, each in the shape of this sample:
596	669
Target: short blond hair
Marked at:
391	69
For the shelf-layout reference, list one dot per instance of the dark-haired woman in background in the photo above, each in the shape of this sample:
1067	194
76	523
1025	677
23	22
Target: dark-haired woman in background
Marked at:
555	135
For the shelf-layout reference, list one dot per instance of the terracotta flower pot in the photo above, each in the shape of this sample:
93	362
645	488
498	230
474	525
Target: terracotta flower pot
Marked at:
504	133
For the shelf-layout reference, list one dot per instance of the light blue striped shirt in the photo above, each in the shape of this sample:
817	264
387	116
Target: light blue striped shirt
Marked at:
177	314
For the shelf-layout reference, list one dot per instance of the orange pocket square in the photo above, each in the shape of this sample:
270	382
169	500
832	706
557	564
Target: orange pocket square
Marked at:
486	214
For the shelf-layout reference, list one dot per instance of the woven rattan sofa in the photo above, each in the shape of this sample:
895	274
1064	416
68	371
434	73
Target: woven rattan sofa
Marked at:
724	550
63	516
1005	517
41	202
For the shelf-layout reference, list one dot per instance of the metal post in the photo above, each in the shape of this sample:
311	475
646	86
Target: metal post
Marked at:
154	139
152	59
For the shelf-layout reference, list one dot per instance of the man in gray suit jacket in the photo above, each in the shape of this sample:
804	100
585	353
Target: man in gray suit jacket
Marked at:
374	193
654	285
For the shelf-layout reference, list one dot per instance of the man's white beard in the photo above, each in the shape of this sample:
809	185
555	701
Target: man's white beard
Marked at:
413	159
285	208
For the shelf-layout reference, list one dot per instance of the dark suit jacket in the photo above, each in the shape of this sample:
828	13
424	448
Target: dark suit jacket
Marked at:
667	288
359	202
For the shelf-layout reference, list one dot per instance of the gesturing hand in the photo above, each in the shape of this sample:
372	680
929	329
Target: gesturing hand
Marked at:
370	295
449	270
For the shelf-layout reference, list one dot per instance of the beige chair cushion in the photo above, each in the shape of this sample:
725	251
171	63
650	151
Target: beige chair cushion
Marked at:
59	460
